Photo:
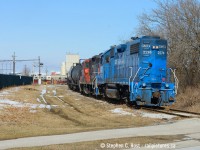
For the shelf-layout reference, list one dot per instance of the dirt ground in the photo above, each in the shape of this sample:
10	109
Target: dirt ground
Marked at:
48	109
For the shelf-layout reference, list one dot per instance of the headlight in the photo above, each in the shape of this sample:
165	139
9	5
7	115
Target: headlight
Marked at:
166	85
155	47
143	85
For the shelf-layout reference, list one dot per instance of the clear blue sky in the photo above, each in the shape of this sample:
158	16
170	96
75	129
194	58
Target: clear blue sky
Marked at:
51	28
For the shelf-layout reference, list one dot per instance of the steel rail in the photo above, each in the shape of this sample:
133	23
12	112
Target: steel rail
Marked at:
169	112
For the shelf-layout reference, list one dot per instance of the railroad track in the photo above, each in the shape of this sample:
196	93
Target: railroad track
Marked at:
174	112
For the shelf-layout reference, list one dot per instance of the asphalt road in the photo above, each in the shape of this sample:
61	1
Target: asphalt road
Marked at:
189	127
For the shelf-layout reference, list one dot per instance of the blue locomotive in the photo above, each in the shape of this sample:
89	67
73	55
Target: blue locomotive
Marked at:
135	72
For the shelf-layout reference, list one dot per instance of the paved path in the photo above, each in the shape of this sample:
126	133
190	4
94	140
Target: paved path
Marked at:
188	127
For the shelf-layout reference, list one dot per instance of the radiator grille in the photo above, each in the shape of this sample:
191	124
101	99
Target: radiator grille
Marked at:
134	48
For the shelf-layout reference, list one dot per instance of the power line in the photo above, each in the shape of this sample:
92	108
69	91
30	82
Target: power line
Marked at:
14	60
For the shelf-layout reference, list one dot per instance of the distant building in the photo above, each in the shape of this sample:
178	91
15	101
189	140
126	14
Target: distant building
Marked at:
70	60
54	78
63	68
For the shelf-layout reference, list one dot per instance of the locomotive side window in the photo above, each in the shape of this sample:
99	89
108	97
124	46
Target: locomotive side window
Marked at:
134	48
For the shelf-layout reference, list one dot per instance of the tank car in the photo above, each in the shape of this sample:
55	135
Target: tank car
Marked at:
73	76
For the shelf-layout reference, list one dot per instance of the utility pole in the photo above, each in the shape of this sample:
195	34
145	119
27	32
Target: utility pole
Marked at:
13	60
14	63
39	65
39	75
46	71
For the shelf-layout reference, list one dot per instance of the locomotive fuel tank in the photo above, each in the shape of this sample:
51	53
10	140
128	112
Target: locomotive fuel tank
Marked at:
111	91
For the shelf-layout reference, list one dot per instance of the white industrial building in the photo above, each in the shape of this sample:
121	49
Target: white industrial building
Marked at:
70	60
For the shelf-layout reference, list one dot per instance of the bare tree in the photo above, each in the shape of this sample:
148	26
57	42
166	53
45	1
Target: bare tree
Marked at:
179	22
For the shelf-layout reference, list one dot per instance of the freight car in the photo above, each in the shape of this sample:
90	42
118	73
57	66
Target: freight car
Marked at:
73	76
135	72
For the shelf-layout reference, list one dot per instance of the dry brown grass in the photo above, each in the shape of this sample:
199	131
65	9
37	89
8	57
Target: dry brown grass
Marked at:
28	93
189	100
74	113
96	145
16	115
89	112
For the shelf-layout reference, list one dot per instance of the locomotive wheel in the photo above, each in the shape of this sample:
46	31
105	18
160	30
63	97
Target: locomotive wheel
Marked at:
137	106
105	96
128	102
99	97
86	91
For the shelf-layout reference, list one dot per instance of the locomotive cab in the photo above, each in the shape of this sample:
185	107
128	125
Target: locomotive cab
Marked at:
85	77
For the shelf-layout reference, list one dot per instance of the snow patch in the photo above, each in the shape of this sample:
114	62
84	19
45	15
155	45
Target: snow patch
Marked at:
54	92
156	116
43	91
9	102
38	100
6	102
120	111
4	93
33	111
42	95
8	91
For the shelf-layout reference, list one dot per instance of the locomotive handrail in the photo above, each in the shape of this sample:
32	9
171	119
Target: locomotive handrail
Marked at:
135	77
93	86
136	74
129	80
94	80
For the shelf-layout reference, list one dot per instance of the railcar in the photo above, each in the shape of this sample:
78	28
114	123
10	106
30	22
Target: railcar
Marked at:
90	68
73	76
137	73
